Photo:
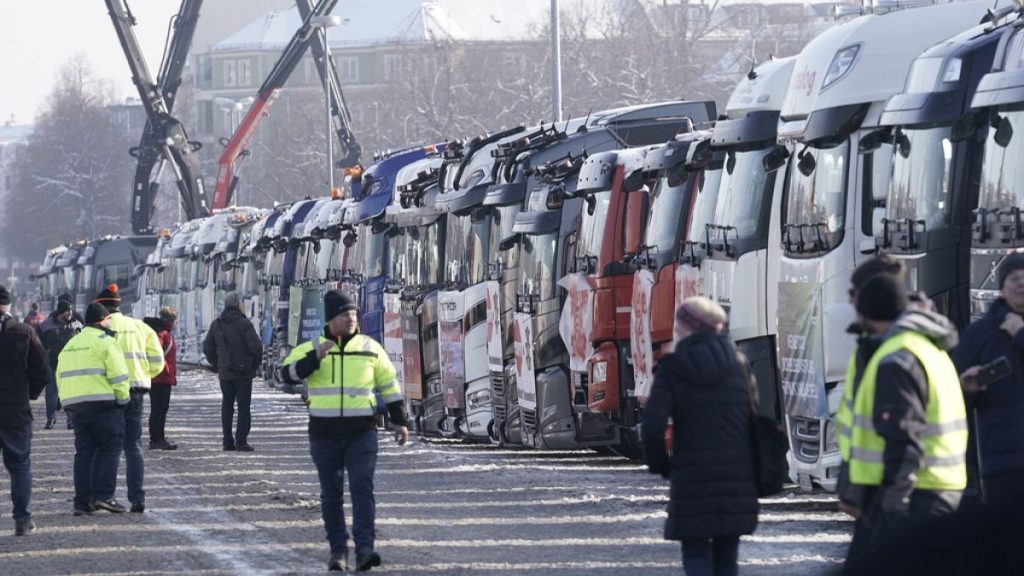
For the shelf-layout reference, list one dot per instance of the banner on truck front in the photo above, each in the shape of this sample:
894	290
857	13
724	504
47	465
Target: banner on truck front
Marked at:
311	321
801	354
526	383
294	314
495	346
576	324
393	335
451	307
640	343
412	362
687	283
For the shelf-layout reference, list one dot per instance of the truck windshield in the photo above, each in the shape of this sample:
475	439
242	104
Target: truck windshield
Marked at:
594	224
478	247
742	194
538	265
703	211
919	189
455	249
370	262
433	250
502	220
1002	173
815	204
668	215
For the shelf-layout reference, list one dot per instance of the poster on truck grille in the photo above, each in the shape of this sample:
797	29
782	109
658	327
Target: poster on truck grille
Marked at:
687	283
294	314
452	307
312	317
393	335
801	354
412	361
495	347
526	383
576	324
640	343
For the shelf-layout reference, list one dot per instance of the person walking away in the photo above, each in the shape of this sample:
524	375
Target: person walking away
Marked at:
343	370
145	359
704	388
907	435
999	406
55	332
24	373
234	351
93	382
34	318
164	382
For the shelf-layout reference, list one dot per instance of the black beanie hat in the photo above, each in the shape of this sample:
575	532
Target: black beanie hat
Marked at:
109	297
5	296
882	297
65	297
1012	262
335	303
95	313
63	306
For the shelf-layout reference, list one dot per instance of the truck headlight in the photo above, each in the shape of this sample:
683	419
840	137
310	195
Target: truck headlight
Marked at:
599	371
477	399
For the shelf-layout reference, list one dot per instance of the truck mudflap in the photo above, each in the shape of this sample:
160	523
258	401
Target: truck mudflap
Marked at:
576	324
641	347
451	306
393	338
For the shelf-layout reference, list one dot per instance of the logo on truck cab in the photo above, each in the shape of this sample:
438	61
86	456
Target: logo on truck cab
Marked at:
805	81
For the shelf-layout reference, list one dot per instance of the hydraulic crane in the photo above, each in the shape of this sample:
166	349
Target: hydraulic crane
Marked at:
164	140
227	178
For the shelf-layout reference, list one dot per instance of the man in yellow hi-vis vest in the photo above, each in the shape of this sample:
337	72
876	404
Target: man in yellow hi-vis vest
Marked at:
343	370
145	359
92	382
905	429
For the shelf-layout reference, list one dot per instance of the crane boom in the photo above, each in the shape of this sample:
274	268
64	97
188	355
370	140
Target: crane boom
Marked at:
227	179
164	139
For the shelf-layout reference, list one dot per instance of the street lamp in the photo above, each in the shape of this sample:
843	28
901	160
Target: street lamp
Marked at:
323	23
234	110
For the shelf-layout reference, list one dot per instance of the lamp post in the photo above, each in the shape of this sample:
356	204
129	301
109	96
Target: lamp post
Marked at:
234	109
322	23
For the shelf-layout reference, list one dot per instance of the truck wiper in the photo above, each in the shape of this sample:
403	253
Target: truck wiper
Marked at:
729	251
818	244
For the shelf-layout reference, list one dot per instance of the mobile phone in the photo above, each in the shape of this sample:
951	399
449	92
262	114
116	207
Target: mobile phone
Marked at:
994	371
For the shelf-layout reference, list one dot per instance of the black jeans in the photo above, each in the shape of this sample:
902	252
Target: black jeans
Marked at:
711	556
134	462
99	440
160	401
16	446
239	389
333	457
1004	489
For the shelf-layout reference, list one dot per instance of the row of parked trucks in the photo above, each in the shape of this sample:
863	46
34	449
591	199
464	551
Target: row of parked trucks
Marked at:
524	281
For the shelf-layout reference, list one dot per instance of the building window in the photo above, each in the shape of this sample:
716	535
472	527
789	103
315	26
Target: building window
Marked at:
348	69
747	16
229	73
205	117
205	66
392	66
244	73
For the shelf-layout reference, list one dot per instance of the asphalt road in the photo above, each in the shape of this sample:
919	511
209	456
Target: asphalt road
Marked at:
442	508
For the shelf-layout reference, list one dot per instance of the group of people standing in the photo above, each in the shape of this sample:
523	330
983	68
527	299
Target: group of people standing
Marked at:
903	429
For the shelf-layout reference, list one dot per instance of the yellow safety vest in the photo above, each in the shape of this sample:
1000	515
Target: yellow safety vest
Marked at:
141	348
345	382
945	431
844	417
91	368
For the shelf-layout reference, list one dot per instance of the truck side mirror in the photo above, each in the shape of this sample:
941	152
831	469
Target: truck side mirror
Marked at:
509	243
775	159
349	240
1004	132
677	174
964	128
634	181
874	140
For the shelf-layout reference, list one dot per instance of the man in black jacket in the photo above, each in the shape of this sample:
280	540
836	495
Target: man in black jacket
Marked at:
234	351
23	375
55	332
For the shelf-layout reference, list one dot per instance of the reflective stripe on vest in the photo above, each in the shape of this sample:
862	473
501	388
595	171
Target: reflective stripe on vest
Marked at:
844	417
141	348
945	431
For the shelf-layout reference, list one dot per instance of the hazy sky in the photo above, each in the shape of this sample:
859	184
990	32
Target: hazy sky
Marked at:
36	38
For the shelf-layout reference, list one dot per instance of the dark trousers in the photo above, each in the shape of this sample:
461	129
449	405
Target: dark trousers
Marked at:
711	556
16	445
240	390
135	465
52	400
334	456
159	403
99	439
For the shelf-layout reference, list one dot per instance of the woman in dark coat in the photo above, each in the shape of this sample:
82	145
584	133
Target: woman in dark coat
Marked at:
702	392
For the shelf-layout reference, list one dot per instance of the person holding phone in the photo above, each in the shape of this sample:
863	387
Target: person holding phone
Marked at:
904	428
995	393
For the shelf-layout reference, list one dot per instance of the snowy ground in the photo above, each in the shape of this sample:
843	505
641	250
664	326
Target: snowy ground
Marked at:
443	508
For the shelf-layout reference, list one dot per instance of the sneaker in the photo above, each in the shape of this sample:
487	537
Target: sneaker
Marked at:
84	512
244	448
364	563
50	423
338	562
162	445
138	508
229	447
23	526
110	506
